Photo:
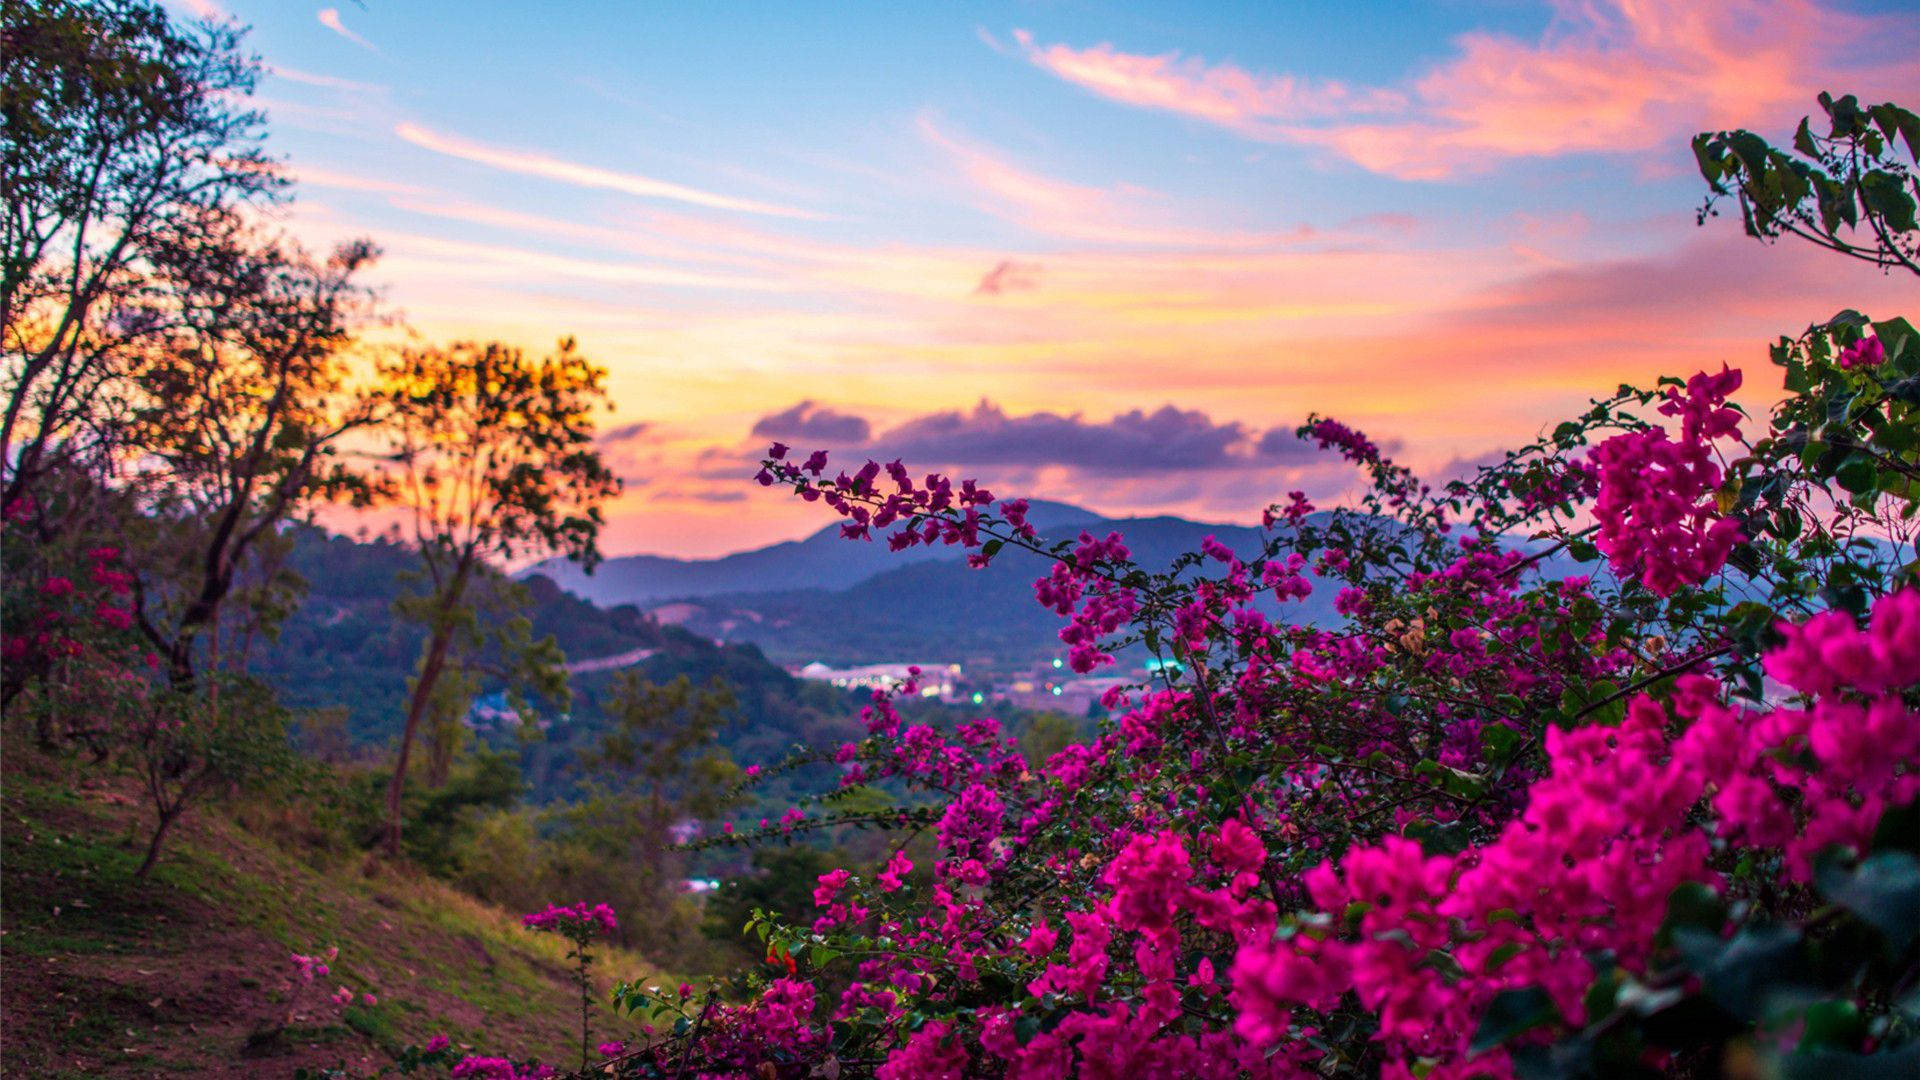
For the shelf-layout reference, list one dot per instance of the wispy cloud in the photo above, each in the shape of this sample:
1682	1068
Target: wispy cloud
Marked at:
329	82
1075	211
1605	77
459	259
328	178
529	163
1008	275
330	18
1224	94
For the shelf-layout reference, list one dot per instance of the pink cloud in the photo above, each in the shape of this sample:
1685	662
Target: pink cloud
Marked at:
1224	94
1008	275
330	18
205	10
328	178
1120	215
1610	76
329	82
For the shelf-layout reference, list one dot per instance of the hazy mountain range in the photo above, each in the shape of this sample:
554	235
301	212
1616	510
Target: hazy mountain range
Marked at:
845	601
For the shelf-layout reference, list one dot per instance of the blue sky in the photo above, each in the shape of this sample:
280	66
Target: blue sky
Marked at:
1447	223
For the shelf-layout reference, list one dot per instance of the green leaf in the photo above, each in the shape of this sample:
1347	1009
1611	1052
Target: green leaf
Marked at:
1743	975
1885	195
1884	891
1899	828
1855	474
1832	1024
1499	740
1511	1013
1694	905
1803	140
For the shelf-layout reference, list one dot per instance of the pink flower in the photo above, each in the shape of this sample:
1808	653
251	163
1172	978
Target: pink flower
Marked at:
830	884
576	921
1867	352
894	876
117	618
928	1055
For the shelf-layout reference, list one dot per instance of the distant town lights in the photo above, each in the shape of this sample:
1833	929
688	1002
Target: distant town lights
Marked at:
1056	663
978	697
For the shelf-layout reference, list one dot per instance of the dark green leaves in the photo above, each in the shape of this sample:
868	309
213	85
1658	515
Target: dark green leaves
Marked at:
1511	1013
1884	891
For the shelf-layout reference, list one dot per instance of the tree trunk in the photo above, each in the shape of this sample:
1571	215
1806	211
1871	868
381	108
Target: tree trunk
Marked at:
416	708
153	846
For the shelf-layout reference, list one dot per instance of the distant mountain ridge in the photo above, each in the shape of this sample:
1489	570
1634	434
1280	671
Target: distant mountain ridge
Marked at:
823	560
848	602
841	601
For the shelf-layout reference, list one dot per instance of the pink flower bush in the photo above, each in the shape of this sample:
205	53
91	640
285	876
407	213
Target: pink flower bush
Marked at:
1349	849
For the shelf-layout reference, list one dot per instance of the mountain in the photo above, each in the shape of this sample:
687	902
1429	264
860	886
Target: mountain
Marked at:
343	647
824	560
863	603
945	611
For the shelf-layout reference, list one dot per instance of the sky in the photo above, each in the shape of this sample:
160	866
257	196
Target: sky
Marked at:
1096	252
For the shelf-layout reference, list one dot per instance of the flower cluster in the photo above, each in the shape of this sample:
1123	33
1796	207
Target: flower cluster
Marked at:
1583	869
1658	520
575	921
481	1067
1867	352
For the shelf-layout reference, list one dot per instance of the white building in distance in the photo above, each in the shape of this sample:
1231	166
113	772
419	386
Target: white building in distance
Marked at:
936	680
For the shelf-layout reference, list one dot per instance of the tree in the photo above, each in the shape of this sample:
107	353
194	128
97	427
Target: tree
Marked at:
176	375
664	746
187	744
1852	176
491	457
123	133
244	407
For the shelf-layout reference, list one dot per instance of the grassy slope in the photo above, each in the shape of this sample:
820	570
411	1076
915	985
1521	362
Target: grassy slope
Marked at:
104	976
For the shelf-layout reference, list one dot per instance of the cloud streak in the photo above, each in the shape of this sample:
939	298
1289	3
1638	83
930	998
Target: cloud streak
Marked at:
1074	211
1224	94
330	18
329	82
528	163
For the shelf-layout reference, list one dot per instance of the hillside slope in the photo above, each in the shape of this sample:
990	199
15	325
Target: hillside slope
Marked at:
106	976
